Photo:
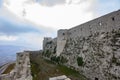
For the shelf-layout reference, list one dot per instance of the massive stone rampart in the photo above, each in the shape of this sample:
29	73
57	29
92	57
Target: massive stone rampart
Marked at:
96	43
105	23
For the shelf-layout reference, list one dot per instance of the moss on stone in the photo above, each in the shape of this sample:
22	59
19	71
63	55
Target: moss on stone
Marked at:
80	61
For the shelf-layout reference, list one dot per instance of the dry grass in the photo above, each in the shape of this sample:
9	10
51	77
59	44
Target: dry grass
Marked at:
9	68
43	69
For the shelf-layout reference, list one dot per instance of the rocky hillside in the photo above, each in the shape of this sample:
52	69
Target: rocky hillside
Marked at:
97	56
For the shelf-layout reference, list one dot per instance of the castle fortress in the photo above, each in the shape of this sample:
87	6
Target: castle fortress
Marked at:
106	23
96	43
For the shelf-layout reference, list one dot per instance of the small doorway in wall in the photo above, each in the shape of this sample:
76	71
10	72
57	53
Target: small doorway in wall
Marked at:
96	78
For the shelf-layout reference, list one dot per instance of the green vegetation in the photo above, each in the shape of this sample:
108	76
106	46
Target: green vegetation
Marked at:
43	69
80	61
69	71
115	37
9	68
54	50
114	60
46	53
35	70
118	64
58	59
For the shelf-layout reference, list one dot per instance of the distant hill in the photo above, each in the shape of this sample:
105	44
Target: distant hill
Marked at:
8	53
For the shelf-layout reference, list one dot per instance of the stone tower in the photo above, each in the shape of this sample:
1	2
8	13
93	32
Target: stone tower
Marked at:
61	40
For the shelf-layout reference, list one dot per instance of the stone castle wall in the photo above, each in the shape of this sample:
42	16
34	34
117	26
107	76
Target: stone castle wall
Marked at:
97	42
49	45
45	41
105	23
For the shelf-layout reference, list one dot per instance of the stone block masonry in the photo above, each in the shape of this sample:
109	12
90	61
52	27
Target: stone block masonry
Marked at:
97	43
105	23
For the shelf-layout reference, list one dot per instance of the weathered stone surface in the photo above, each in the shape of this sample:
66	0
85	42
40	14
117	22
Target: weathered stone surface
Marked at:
63	77
97	43
22	68
100	55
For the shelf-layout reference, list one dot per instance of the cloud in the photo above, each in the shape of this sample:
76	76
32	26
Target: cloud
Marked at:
32	39
8	38
11	28
56	17
35	39
50	2
31	20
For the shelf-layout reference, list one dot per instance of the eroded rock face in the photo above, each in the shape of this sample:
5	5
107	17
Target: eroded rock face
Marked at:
100	53
22	69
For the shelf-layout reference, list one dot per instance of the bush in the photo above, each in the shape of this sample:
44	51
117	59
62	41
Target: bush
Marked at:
55	59
63	59
80	61
114	59
46	53
59	59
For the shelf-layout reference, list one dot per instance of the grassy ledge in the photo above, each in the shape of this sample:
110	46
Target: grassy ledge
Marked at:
9	68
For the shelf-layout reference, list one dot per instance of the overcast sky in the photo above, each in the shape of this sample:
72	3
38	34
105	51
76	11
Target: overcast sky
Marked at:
26	22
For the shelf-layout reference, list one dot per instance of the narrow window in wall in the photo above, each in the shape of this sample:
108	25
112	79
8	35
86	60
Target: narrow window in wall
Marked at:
96	78
113	19
63	33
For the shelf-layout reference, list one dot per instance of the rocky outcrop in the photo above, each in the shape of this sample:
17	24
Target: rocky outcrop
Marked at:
22	68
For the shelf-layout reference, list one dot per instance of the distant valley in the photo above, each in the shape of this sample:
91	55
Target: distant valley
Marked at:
8	53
